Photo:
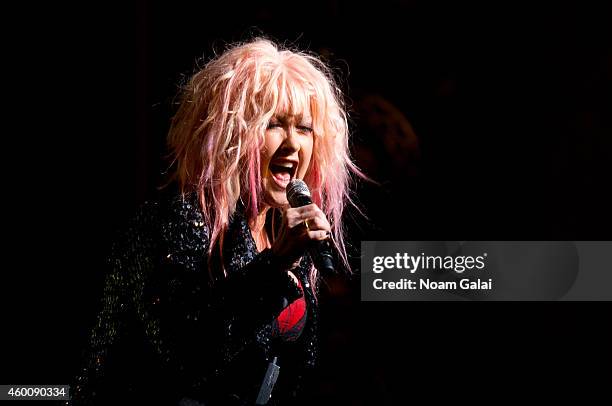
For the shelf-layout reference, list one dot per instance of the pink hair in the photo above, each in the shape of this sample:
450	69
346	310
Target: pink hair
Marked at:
216	135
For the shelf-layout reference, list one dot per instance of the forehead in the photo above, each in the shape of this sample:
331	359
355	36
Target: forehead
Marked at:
285	116
295	101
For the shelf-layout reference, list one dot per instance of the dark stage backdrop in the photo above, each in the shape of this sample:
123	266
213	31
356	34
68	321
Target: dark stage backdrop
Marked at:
480	122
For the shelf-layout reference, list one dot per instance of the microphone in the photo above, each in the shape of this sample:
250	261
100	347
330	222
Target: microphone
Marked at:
298	195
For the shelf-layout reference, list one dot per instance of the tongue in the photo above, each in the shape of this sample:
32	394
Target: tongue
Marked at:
282	176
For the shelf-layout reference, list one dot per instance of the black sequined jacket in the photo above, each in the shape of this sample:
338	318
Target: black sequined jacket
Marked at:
165	335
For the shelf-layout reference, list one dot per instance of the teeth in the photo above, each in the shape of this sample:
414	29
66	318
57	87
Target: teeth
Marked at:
285	165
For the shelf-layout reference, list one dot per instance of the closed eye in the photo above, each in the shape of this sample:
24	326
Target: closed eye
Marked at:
304	128
274	125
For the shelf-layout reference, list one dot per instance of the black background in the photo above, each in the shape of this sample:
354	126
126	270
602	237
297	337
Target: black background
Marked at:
511	107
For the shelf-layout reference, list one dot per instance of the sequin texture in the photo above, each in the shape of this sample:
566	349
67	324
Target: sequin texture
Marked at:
166	334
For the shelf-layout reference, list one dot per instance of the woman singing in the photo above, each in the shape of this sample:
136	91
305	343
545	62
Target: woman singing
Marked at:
211	283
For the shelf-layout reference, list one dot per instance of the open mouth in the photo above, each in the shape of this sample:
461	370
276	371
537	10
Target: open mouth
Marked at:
283	171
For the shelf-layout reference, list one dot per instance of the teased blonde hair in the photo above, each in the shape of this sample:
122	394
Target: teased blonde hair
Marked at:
216	136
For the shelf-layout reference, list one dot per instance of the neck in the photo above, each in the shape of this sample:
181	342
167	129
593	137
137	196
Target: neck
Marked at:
258	223
258	229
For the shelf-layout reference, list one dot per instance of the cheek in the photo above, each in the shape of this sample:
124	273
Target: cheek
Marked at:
306	156
270	146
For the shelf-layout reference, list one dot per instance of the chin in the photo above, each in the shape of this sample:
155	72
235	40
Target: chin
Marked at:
277	202
275	198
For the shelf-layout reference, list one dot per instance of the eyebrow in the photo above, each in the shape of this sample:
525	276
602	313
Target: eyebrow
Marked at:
298	118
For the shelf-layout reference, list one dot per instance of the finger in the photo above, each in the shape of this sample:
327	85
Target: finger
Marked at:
318	213
318	223
296	216
312	214
308	211
318	235
296	222
322	218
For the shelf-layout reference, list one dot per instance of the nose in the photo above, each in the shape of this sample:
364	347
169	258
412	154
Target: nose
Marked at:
291	143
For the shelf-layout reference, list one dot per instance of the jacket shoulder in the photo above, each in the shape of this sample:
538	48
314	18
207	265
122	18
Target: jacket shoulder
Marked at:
179	227
169	225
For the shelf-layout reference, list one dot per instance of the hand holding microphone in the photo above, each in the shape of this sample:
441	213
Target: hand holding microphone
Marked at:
305	227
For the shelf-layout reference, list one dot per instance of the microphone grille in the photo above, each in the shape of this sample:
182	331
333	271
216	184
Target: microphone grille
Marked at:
297	187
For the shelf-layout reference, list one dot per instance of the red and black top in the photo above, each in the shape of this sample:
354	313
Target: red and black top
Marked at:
290	322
